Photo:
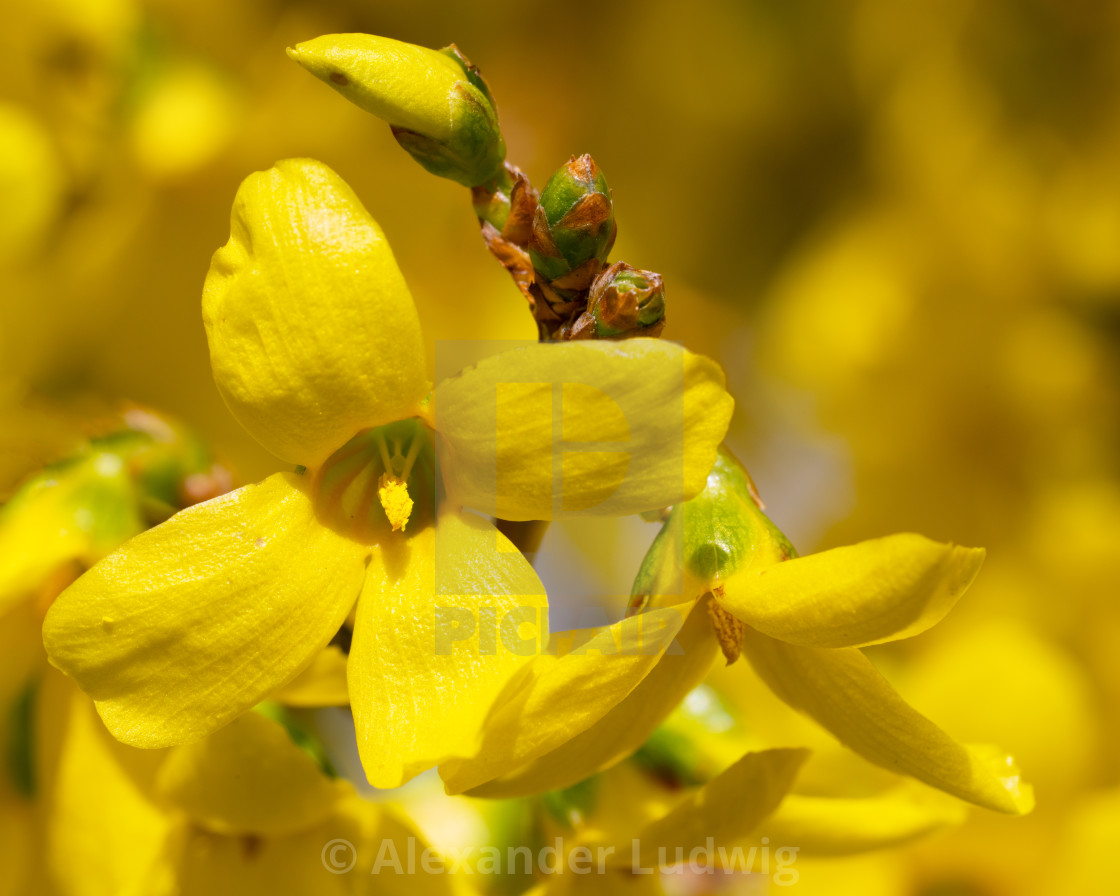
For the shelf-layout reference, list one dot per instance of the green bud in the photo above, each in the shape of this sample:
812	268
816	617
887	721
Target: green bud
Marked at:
574	227
169	464
624	301
117	484
65	518
436	102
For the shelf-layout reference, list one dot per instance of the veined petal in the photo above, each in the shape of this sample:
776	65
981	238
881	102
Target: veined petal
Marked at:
446	618
824	826
248	778
554	430
561	693
313	334
844	693
626	726
874	591
726	809
193	622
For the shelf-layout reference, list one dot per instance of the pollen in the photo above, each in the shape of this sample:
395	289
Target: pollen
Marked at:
393	494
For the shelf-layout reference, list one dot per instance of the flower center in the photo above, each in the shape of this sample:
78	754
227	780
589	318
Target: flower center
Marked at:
380	481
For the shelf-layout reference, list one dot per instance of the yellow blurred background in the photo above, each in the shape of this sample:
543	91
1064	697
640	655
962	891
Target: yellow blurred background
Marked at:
897	226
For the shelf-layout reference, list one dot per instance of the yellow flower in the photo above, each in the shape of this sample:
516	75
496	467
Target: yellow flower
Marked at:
800	623
316	348
242	811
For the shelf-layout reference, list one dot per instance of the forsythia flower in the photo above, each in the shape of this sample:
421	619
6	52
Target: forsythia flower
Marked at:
800	622
242	811
316	348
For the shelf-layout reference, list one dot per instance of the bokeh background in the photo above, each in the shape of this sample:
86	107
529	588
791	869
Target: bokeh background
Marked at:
896	225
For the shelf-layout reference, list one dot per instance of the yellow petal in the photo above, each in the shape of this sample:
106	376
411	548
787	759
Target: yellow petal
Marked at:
209	864
824	826
103	832
844	693
393	863
625	727
406	85
323	683
1022	686
554	430
874	591
20	652
446	617
313	334
723	811
193	622
1091	827
19	848
248	778
584	675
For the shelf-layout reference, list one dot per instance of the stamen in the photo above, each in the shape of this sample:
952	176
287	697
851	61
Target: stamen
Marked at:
395	501
413	453
360	477
386	464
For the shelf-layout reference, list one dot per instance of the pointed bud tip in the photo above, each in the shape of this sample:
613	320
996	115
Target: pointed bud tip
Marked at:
438	111
574	223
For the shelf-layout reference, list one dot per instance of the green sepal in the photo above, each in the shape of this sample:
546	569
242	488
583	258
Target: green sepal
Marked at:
475	152
718	533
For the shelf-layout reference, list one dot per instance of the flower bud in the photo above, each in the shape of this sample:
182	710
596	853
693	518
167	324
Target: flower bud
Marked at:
436	102
170	464
624	301
574	228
